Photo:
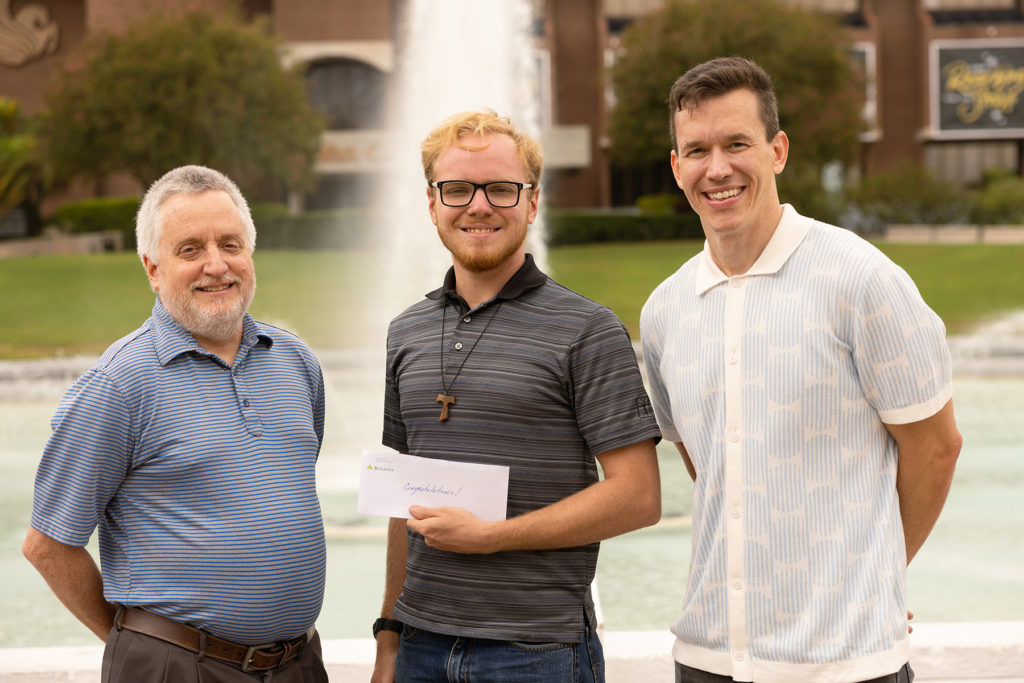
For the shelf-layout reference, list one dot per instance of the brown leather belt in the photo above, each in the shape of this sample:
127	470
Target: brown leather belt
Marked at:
246	657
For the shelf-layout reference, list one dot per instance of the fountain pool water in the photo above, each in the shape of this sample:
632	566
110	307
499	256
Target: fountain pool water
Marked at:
969	570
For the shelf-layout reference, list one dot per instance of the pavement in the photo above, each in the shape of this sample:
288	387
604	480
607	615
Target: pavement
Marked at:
989	652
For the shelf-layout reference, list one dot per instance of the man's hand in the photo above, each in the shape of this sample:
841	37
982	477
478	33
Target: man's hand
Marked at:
453	529
629	497
387	651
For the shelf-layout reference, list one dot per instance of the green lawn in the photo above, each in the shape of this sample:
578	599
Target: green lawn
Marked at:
80	304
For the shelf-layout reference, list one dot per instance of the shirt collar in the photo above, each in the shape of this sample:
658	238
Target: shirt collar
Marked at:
788	235
527	277
172	340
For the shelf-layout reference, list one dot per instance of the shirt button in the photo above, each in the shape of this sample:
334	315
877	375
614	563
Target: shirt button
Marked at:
733	357
466	319
736	282
734	435
245	403
458	346
738	656
734	511
737	585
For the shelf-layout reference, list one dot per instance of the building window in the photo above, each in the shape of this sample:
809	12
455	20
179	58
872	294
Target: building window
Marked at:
829	6
350	94
940	5
973	11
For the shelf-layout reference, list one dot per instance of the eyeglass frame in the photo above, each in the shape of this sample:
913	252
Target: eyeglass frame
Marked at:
439	184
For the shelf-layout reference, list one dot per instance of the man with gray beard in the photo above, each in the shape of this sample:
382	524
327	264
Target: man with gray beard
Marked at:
191	445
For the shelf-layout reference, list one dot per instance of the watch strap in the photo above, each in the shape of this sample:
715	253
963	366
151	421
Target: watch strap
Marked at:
385	624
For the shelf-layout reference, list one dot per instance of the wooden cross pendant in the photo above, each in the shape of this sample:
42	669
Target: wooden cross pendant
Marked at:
445	400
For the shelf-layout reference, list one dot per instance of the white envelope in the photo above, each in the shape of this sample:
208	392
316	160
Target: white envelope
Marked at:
390	482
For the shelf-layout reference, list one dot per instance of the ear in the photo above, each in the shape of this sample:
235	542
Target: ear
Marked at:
431	204
673	160
151	273
531	214
780	149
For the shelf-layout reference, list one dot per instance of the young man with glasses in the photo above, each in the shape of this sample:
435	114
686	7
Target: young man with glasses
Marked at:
503	366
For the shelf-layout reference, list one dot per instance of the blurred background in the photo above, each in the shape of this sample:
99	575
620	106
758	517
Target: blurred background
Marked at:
900	111
906	125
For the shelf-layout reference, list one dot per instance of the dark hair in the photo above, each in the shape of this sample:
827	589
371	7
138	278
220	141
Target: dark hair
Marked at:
718	77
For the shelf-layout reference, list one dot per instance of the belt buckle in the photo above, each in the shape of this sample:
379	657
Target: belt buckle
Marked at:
268	649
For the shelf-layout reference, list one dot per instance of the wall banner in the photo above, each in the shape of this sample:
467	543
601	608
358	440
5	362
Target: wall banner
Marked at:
977	89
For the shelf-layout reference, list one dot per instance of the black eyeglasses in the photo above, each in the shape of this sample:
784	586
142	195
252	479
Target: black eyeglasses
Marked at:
502	194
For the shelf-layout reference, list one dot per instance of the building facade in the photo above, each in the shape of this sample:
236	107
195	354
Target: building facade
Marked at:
944	80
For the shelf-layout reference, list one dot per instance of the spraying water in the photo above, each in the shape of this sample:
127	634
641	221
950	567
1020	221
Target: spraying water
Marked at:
452	56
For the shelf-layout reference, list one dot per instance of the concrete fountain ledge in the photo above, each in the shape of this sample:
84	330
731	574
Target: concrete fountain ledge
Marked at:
992	652
996	349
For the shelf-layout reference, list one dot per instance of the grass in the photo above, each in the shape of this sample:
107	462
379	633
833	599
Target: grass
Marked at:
967	285
63	305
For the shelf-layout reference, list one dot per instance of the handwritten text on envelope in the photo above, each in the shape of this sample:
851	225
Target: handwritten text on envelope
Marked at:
390	482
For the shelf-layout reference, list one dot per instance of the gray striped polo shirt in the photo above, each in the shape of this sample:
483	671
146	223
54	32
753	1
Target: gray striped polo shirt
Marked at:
545	379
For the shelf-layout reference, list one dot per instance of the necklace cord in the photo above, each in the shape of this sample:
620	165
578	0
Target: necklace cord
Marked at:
444	366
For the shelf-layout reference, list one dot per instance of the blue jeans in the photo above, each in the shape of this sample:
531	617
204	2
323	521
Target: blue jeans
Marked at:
426	657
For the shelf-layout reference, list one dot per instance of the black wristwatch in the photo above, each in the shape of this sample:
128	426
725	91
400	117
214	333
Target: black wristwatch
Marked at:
385	624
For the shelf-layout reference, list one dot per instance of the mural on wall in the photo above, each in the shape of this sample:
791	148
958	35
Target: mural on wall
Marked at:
26	35
976	89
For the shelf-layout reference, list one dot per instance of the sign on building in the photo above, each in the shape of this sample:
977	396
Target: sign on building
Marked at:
976	89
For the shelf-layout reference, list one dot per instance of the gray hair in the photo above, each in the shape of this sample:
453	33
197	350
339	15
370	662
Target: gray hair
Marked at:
185	180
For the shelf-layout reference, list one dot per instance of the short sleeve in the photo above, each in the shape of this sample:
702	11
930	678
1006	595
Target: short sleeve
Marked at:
607	392
319	409
394	435
651	342
84	461
900	349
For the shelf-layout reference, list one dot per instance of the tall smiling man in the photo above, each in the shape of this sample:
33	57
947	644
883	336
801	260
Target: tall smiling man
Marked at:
191	444
807	386
503	366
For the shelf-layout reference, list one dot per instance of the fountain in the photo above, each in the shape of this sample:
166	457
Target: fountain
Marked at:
453	55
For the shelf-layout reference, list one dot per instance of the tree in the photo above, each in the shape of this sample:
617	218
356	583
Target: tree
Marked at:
22	177
203	87
820	94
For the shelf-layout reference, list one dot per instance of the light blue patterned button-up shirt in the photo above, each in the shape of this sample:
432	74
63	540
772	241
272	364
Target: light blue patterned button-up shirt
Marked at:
779	382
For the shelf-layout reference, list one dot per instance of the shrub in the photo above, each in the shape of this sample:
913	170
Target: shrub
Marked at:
658	204
906	194
102	213
802	187
579	227
1000	200
327	229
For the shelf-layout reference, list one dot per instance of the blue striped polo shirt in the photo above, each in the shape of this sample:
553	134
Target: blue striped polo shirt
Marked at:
545	379
780	382
199	476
